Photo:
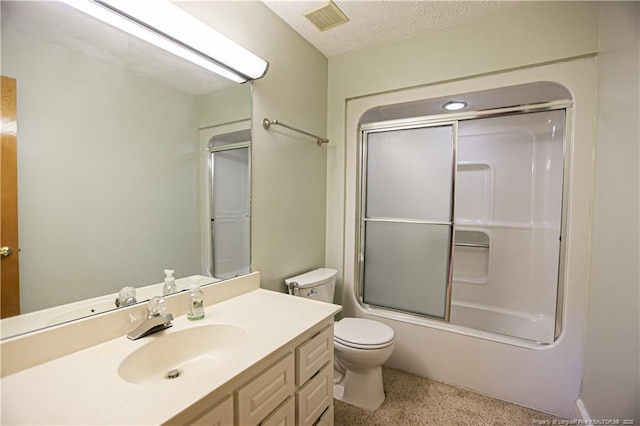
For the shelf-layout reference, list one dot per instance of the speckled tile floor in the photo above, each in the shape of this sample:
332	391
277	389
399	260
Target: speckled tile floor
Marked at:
413	400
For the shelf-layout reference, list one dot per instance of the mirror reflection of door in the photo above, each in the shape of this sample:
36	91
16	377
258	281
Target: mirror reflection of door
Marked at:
230	203
9	271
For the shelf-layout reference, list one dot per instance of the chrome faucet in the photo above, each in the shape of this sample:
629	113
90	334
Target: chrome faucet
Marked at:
155	320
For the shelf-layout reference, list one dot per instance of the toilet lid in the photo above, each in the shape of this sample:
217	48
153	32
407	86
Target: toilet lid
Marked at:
360	332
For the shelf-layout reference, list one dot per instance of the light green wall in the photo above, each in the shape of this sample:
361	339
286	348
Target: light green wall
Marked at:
107	175
228	105
518	36
611	379
288	169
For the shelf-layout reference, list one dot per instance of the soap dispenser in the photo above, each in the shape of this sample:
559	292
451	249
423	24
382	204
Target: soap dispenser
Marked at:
169	283
196	302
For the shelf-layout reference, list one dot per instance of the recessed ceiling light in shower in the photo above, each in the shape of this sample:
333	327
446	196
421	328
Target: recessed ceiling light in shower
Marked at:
455	105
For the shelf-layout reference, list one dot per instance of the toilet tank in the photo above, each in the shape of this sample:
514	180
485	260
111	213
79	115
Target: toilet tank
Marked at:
318	284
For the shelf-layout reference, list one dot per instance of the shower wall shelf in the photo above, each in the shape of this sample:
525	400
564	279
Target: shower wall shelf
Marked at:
266	123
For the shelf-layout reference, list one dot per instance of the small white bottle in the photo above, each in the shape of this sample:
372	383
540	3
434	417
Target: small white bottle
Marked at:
169	283
196	302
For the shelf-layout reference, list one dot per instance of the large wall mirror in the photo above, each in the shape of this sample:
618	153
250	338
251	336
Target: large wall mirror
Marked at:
112	161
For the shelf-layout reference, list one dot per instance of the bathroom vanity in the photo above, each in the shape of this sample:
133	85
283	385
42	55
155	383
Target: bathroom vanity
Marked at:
261	357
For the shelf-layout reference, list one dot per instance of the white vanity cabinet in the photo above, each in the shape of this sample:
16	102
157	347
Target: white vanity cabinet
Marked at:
293	386
219	414
314	377
284	415
278	372
264	393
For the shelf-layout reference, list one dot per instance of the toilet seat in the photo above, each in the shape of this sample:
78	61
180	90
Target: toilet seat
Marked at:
360	333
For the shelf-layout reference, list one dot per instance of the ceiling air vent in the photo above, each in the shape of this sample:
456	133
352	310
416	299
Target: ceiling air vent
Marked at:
327	16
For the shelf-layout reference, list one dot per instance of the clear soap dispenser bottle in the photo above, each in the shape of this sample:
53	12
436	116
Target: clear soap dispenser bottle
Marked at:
169	283
196	302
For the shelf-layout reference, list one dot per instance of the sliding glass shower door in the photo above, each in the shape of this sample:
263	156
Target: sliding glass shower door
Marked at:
407	217
490	186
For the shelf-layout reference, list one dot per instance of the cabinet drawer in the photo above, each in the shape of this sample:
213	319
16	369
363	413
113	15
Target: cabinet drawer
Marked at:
313	354
315	396
220	415
264	393
285	415
327	418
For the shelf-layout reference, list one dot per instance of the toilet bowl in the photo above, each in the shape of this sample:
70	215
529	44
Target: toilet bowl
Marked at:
360	345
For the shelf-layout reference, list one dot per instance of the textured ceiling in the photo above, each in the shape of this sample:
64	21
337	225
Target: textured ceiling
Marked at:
373	22
59	24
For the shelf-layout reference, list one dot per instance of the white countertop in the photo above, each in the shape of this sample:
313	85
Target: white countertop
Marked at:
85	388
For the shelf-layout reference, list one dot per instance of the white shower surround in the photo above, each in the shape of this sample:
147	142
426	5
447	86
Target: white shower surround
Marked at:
547	377
509	188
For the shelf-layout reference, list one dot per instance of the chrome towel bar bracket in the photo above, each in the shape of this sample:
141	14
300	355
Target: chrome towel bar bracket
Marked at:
266	123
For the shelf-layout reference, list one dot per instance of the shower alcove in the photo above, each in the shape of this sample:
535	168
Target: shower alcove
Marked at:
509	319
460	216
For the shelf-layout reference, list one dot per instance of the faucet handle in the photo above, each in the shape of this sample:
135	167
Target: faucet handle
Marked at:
128	294
156	306
126	297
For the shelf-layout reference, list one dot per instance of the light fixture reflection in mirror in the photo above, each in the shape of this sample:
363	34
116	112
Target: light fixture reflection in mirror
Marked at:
168	27
108	160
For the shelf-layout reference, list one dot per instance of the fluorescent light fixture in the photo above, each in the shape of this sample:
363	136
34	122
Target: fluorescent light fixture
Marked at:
168	27
455	105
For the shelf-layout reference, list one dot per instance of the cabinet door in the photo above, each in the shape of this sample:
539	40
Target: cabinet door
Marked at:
315	396
313	354
266	392
284	415
220	415
327	418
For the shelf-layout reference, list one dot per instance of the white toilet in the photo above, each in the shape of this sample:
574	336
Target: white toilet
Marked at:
360	345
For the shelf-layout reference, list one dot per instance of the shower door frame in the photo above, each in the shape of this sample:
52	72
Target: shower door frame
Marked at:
395	125
448	119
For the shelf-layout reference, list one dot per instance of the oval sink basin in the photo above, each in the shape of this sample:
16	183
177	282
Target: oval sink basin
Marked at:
182	354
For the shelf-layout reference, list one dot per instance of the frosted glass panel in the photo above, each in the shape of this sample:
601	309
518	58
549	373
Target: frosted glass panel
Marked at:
409	173
406	266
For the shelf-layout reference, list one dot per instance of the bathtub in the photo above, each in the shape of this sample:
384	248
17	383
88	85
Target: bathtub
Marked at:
502	321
